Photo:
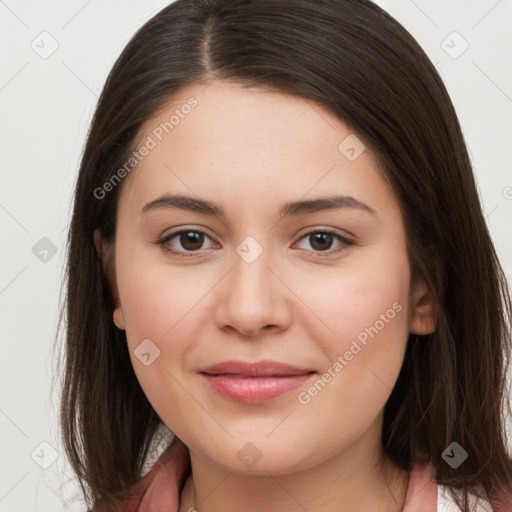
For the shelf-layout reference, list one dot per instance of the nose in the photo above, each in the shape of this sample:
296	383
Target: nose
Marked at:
253	299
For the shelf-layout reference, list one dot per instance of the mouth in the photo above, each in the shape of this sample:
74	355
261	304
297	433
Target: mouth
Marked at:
254	383
258	369
260	377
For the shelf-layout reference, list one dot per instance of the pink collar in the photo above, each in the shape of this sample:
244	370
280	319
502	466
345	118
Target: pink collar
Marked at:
422	490
160	489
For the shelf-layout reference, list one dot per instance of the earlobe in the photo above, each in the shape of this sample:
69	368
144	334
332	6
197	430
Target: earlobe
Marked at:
104	251
423	309
119	318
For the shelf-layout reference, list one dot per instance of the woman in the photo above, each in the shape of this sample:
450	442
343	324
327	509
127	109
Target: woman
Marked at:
278	252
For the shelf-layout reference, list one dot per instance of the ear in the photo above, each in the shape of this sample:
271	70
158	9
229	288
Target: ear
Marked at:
423	316
105	252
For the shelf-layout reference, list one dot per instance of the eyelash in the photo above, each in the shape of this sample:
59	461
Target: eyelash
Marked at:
322	254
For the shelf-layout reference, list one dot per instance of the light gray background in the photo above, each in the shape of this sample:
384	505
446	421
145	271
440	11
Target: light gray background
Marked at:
46	104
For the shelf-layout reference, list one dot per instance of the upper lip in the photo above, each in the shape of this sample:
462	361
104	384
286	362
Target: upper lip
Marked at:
257	369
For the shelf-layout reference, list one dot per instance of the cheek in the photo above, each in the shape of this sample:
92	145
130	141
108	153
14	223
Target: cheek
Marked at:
365	300
368	313
159	300
365	308
160	321
164	304
157	307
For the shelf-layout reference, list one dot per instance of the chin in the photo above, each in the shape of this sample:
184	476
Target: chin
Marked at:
259	457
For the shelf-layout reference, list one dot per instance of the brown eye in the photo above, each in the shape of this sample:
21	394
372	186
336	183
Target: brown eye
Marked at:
322	241
184	241
191	240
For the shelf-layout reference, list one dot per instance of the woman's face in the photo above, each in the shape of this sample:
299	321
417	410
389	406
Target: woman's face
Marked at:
252	285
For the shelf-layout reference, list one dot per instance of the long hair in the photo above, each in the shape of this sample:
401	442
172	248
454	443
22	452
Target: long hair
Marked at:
359	63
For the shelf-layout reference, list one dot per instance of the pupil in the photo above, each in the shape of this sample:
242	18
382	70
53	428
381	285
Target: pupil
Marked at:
321	237
191	240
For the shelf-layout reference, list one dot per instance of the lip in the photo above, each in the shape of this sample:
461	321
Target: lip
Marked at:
254	383
264	368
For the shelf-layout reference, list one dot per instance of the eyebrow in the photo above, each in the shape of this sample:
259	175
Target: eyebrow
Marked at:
291	208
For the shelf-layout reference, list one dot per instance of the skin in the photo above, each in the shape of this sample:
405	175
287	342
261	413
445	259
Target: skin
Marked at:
250	150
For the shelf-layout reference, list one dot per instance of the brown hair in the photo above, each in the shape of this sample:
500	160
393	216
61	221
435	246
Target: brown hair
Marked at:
364	67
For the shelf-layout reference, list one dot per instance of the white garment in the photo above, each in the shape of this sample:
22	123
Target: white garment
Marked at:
446	503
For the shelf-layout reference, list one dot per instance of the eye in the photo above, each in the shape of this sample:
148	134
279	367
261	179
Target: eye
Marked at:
322	240
190	240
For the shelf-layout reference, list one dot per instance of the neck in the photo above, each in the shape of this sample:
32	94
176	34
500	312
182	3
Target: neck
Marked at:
350	481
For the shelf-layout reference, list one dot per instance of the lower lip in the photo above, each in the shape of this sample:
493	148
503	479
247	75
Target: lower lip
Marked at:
255	390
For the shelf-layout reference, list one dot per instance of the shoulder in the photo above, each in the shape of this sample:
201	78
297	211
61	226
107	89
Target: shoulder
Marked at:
160	488
446	502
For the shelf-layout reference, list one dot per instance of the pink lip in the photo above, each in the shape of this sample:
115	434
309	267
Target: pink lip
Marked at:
254	383
259	369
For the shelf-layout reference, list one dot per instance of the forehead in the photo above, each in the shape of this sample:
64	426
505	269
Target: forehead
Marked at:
229	114
225	140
